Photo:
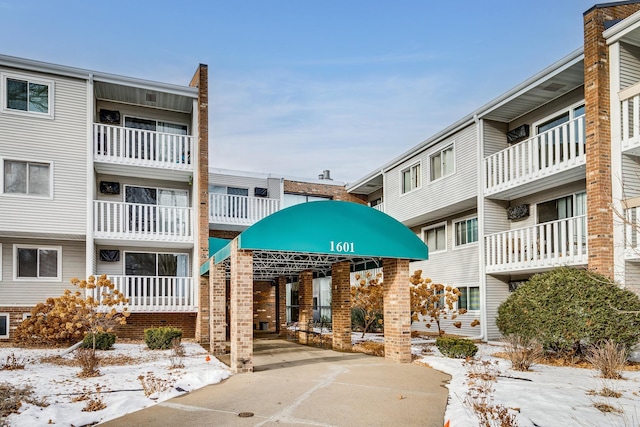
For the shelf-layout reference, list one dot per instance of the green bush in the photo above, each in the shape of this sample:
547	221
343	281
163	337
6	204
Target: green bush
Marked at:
569	309
160	338
456	348
104	340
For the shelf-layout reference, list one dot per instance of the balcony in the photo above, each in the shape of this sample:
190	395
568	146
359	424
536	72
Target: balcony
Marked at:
379	207
148	223
552	244
121	146
240	210
630	110
632	233
154	293
541	162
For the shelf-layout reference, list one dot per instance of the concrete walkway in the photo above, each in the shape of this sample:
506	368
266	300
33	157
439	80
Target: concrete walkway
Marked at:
304	386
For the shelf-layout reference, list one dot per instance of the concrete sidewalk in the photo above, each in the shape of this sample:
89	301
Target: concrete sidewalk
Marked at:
301	386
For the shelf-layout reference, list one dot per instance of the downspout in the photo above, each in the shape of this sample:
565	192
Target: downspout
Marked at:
481	246
90	184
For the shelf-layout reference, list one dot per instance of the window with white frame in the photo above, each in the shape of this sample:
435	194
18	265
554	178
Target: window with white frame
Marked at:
26	95
27	178
411	178
442	163
36	262
469	298
435	237
4	325
466	231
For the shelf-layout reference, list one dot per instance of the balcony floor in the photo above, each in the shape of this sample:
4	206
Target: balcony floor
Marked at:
541	184
142	172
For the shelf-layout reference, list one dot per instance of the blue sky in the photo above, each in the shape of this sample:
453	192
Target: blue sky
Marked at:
300	86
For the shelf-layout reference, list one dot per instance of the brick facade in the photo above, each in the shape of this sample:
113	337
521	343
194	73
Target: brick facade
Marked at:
305	300
336	192
397	310
241	309
341	305
138	322
201	81
15	318
282	306
218	308
264	306
598	134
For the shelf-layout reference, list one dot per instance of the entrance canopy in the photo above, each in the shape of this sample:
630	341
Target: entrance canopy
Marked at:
315	235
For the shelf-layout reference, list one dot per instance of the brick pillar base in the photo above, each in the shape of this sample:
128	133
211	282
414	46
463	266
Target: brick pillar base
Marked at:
241	310
203	319
305	300
341	305
282	306
397	310
217	306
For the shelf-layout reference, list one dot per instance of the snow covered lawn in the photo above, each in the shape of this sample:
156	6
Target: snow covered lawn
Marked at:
120	389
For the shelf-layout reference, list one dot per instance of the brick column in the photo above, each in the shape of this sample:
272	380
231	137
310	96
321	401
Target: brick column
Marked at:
397	310
241	309
305	301
341	305
201	195
217	304
282	306
598	134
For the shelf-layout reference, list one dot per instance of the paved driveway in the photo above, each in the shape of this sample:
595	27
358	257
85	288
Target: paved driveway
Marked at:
304	386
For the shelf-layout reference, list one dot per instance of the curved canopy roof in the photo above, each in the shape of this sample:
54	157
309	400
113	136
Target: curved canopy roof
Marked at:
314	235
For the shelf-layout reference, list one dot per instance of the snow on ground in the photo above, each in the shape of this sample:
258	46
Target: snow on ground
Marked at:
121	390
545	396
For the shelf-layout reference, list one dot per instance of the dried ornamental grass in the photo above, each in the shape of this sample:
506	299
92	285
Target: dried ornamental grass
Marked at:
609	358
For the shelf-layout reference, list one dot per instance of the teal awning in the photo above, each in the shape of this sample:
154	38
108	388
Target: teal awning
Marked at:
329	231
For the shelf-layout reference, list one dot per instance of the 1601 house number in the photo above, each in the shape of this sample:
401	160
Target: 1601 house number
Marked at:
342	247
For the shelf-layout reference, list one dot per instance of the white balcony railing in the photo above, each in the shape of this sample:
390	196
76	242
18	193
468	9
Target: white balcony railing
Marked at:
630	111
133	221
552	244
632	232
240	210
379	207
154	293
138	147
555	150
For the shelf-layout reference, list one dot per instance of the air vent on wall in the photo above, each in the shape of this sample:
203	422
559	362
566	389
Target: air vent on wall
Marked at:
109	255
518	212
260	192
518	134
151	97
107	187
109	116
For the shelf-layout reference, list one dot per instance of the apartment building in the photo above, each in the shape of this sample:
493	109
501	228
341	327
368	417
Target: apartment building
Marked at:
101	174
527	182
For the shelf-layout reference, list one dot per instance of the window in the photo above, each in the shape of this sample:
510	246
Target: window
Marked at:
4	325
25	95
469	298
442	163
411	178
296	199
466	231
29	178
156	264
552	143
155	125
435	237
562	208
41	263
154	219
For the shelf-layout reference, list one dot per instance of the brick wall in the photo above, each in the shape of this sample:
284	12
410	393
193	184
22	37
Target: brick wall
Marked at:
15	318
241	310
305	301
598	134
224	234
218	308
397	310
282	306
336	192
138	322
341	305
264	305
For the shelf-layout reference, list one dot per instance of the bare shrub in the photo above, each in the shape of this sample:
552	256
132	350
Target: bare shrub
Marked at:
609	358
523	352
12	397
606	408
87	359
177	354
13	363
482	376
152	384
94	403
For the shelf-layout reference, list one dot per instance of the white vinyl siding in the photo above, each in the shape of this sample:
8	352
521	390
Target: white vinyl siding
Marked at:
4	325
61	142
629	65
457	189
26	94
28	292
497	292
